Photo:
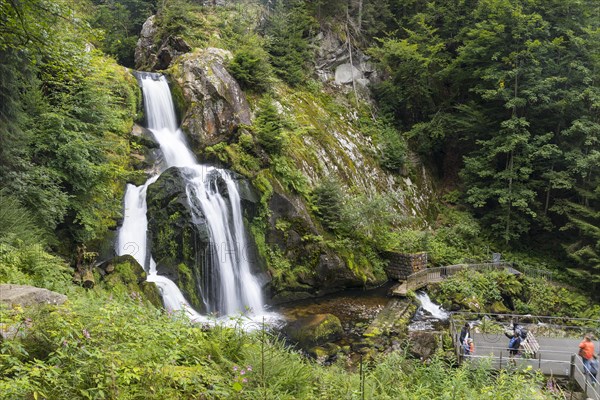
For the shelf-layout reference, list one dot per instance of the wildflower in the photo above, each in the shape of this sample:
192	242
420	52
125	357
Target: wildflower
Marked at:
242	372
244	380
86	334
235	367
249	368
65	343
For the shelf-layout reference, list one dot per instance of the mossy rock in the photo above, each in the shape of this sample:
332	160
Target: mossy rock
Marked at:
125	273
324	352
315	330
498	307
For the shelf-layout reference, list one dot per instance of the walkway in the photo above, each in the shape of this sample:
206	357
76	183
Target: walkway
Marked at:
427	276
557	357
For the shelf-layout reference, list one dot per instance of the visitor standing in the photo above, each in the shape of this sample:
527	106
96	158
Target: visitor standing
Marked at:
465	334
514	343
588	357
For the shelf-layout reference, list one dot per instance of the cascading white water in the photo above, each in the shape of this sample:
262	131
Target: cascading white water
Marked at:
435	310
228	284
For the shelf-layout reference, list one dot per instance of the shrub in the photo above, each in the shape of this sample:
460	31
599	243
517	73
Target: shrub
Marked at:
250	67
269	126
328	199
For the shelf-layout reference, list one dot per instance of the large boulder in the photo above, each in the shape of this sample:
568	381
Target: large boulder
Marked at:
177	243
24	295
314	330
150	56
423	345
214	102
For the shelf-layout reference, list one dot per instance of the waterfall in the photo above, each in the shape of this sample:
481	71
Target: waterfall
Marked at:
228	285
435	310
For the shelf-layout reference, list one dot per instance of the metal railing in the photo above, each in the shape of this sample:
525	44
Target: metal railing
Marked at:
543	325
421	278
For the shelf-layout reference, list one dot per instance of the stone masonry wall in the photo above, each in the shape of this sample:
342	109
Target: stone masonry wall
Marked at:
401	264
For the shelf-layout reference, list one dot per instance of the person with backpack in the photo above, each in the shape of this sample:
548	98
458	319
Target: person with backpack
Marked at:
514	343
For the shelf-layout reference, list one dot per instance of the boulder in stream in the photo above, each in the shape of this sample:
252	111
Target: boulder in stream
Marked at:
314	330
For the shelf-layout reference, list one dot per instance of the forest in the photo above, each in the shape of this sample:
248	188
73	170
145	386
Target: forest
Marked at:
498	101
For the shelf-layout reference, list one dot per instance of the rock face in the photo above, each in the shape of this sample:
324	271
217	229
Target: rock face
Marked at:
149	56
215	104
177	244
329	272
333	62
24	295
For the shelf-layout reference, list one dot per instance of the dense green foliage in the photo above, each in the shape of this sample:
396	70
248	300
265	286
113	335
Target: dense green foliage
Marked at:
65	112
501	292
288	29
512	89
103	345
120	22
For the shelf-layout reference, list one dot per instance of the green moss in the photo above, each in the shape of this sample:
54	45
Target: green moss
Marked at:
188	285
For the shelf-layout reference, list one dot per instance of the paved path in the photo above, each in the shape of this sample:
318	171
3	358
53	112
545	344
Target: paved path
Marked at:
553	358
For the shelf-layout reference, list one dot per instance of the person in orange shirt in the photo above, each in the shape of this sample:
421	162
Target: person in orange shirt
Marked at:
586	351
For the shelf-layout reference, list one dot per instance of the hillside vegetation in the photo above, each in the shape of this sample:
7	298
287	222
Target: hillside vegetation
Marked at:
473	126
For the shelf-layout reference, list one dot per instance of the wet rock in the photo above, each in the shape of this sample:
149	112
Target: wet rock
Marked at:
423	344
215	104
178	245
145	155
314	330
25	295
324	353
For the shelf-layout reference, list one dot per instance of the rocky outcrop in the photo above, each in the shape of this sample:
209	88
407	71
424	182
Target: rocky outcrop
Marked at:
177	244
214	102
423	345
333	63
150	56
289	230
145	154
125	271
24	295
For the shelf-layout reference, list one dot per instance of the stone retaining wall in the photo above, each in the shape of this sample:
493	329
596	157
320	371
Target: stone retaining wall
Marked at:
402	264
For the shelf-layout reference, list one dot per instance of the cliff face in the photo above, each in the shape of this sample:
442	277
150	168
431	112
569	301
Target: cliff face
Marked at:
325	138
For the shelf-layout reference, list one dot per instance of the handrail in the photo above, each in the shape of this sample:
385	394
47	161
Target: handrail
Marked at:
524	316
421	278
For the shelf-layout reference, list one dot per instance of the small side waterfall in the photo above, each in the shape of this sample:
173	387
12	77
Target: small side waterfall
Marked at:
228	285
429	306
